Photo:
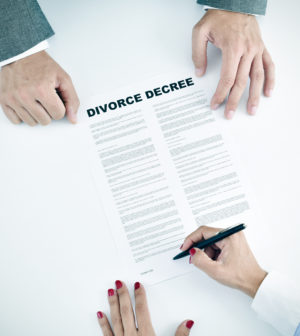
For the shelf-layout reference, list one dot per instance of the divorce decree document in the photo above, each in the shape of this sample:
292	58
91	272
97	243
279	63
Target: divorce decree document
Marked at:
162	169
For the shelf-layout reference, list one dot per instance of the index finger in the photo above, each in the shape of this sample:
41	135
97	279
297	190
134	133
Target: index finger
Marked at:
203	232
230	63
69	96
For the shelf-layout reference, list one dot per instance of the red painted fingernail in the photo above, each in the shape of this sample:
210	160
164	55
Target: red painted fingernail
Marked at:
119	284
111	292
190	260
137	285
192	251
189	324
99	314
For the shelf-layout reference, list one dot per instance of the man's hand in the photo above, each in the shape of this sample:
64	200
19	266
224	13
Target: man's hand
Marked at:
35	90
229	261
243	55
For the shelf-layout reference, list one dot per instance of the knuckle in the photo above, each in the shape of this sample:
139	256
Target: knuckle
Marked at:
197	27
196	260
103	323
252	49
238	235
218	98
10	98
41	89
125	310
271	66
139	306
238	47
113	301
67	76
59	114
261	47
241	83
116	320
231	106
258	75
181	331
227	81
195	57
22	92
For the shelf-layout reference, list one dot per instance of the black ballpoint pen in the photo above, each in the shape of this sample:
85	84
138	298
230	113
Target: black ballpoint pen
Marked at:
212	240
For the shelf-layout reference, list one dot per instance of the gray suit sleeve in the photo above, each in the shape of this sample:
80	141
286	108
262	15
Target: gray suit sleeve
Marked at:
22	26
257	7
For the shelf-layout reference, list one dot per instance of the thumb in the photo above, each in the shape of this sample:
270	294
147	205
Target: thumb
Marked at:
184	328
69	97
199	50
201	260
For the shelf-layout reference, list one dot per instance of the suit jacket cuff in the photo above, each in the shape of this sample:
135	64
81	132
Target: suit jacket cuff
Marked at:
39	47
22	26
209	7
256	7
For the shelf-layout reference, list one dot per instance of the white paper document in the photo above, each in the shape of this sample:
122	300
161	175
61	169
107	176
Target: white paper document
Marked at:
162	169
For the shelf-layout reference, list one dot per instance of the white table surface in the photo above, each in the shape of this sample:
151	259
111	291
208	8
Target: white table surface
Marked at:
55	261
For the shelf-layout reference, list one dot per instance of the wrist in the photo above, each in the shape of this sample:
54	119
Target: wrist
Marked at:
253	282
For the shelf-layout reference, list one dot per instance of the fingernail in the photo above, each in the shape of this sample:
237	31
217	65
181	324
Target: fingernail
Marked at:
192	251
215	106
230	114
190	260
111	292
189	324
99	314
269	93
181	247
119	284
199	72
253	110
137	285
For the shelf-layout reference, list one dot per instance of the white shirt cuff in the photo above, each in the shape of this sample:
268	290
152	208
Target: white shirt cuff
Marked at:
209	7
277	301
39	47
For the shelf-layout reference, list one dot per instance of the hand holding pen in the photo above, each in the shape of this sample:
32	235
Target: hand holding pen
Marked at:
229	261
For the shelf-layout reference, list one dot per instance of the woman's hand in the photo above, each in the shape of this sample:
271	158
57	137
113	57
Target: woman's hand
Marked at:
243	55
122	316
229	261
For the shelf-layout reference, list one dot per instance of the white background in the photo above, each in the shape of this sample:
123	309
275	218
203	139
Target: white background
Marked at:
56	260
